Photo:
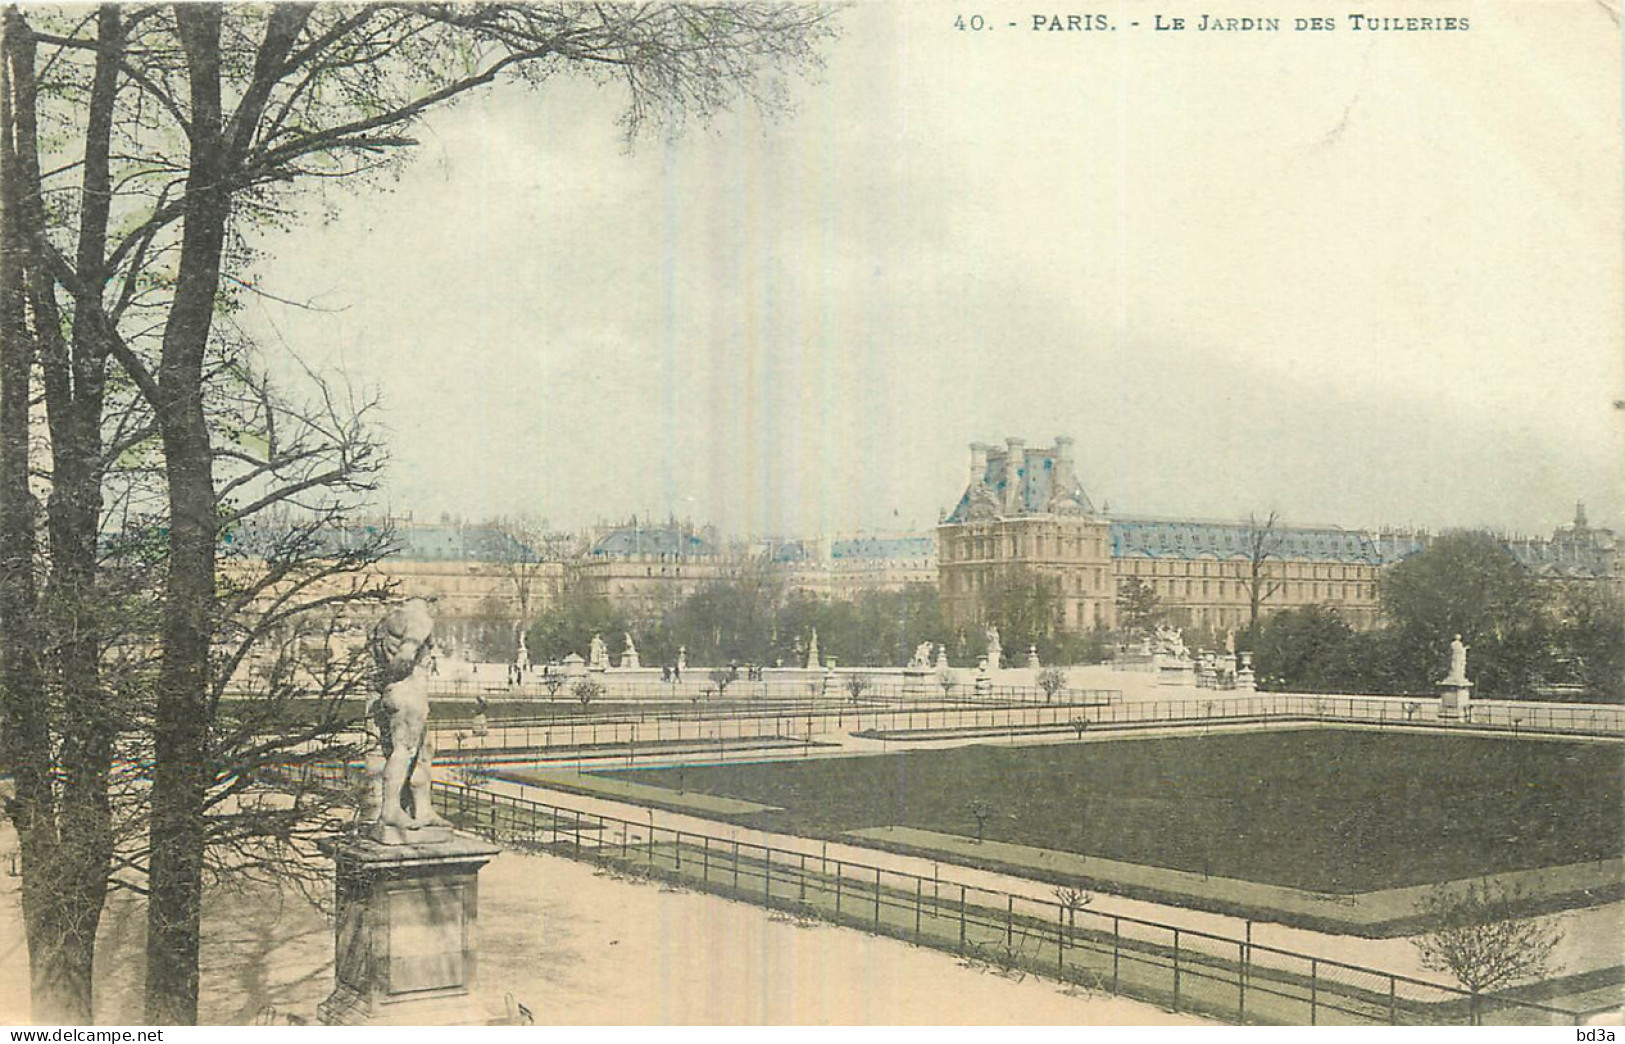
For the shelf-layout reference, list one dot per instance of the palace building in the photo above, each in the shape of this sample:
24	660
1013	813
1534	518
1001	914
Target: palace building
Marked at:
1025	510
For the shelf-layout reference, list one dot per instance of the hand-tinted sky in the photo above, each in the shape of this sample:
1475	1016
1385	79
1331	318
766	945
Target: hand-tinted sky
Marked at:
1360	278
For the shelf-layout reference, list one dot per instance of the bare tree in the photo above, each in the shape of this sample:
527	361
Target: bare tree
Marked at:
524	549
1263	546
1071	899
1052	680
857	683
1482	938
587	690
183	129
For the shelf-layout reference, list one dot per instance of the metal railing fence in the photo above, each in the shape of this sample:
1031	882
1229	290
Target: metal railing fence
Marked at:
1206	974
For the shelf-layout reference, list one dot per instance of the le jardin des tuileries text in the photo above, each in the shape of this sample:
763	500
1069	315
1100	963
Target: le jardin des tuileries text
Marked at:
1091	22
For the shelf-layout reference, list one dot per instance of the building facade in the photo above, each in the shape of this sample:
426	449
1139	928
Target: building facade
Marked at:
1026	510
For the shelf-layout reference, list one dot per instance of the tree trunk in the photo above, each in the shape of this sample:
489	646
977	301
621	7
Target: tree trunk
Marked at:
74	392
63	846
181	770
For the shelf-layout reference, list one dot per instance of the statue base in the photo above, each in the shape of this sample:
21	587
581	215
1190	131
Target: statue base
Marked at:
1455	699
1175	673
404	944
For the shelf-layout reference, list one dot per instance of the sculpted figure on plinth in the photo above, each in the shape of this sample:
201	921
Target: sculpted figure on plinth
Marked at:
1458	661
401	644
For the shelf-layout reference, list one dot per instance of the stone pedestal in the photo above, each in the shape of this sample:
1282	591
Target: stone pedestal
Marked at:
1175	672
1455	699
405	944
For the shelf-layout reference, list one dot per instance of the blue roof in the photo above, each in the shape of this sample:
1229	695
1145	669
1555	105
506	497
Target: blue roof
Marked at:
657	540
1155	538
884	547
1040	489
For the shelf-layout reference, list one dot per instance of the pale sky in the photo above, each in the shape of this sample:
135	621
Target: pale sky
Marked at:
1359	278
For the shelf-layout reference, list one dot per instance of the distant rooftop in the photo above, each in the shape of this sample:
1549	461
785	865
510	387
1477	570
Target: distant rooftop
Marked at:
675	540
905	547
1012	481
1159	538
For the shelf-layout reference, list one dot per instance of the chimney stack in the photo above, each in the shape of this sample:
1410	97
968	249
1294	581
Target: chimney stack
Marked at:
1015	458
978	463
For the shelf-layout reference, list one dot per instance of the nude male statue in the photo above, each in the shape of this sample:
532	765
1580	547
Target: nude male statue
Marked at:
401	642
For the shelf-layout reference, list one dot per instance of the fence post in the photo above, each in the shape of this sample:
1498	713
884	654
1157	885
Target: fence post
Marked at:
767	877
578	834
837	889
1117	948
1241	983
736	866
1314	991
1393	1001
1009	921
919	895
1176	969
877	897
677	849
1060	940
961	919
705	860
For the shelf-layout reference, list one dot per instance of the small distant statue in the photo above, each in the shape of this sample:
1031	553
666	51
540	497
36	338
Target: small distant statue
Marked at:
629	655
812	651
922	656
1170	642
597	654
1032	657
995	651
682	662
1458	660
521	659
942	657
402	642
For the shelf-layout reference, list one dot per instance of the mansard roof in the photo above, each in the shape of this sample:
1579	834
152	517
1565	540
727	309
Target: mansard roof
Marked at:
652	540
1163	538
1045	484
884	548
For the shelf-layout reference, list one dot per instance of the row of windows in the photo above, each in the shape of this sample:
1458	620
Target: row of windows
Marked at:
1078	581
1013	545
1240	590
1291	570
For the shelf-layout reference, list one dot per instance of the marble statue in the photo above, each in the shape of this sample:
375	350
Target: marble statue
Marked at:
597	654
942	657
1171	642
994	649
1458	661
922	656
401	645
812	651
629	655
521	658
682	658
